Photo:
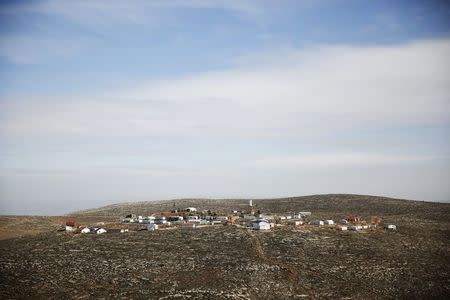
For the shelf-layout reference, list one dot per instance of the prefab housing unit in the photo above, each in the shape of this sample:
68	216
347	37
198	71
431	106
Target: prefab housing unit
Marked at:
152	227
316	222
101	230
304	213
390	227
354	228
261	225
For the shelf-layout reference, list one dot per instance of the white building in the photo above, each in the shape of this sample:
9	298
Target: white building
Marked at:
190	209
354	228
101	230
260	225
316	222
342	228
85	230
304	213
152	227
344	221
390	227
328	222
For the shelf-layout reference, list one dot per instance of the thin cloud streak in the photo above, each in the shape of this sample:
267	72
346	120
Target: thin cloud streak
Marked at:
337	160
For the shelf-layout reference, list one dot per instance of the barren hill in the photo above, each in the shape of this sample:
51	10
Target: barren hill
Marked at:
334	204
232	262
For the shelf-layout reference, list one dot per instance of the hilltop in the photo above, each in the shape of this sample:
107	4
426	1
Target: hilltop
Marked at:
232	262
334	204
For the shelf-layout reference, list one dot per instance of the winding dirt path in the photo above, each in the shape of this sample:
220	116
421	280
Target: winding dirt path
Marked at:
293	274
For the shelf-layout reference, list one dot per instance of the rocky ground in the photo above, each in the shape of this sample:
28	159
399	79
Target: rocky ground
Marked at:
227	262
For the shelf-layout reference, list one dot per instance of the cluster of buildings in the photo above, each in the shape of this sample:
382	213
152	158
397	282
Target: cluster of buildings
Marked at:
190	217
353	223
71	227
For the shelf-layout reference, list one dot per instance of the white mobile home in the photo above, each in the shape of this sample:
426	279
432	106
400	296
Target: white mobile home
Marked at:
355	228
316	222
390	227
260	225
152	227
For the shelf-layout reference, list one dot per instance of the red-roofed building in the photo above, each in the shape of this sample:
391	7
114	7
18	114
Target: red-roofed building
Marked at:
70	225
353	219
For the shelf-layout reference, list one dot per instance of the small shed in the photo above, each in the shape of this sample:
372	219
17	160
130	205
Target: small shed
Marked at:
328	222
344	221
342	228
190	209
86	230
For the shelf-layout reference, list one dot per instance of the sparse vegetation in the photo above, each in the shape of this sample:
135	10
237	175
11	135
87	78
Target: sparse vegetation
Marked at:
233	263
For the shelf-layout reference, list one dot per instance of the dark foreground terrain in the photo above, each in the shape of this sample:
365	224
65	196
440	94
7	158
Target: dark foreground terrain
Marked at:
234	263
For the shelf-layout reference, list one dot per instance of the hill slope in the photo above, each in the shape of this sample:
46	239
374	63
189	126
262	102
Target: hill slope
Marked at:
231	262
329	204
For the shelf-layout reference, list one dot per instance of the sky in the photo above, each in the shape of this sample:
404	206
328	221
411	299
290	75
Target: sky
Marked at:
115	101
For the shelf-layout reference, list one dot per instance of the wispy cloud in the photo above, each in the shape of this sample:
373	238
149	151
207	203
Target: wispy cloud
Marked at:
293	93
348	160
105	13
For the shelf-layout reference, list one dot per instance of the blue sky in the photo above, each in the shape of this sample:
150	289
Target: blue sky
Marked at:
107	101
